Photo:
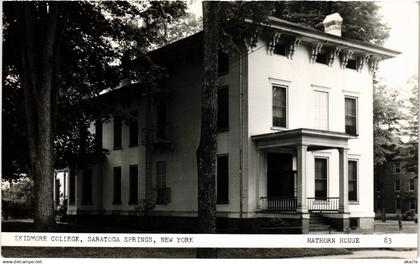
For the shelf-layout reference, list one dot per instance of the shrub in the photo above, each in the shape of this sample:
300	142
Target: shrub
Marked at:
17	198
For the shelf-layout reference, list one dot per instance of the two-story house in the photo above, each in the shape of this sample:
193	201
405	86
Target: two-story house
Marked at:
295	134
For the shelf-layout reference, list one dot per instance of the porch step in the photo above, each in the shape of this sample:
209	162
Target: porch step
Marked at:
318	224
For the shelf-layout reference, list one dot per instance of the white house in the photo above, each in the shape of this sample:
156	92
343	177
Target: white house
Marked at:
295	137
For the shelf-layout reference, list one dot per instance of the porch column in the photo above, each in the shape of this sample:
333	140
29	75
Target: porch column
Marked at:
344	182
302	205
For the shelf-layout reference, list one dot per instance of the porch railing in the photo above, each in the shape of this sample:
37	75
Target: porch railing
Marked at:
279	204
323	204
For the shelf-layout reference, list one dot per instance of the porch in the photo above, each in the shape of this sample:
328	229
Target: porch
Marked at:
293	177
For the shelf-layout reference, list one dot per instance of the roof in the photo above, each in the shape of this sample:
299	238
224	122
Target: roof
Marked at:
312	35
306	34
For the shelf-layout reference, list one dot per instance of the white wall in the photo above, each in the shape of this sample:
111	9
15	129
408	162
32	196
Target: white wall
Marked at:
302	79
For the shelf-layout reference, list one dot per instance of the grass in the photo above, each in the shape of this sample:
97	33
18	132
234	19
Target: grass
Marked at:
60	252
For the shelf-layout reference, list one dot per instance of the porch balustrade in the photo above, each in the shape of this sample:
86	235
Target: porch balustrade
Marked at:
279	204
323	204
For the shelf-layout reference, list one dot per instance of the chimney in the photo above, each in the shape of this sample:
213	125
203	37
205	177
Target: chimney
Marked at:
332	24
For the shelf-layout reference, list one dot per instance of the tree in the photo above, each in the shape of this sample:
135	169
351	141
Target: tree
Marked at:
412	130
361	20
62	53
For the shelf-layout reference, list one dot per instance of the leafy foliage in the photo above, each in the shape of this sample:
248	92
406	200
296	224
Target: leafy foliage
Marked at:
386	118
17	197
98	45
361	20
412	130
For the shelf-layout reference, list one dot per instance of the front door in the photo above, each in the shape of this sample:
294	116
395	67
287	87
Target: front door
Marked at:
280	180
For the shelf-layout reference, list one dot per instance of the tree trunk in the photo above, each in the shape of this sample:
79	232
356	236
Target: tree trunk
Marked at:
37	64
206	152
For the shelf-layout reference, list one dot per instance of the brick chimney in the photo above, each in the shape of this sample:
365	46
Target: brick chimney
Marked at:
332	24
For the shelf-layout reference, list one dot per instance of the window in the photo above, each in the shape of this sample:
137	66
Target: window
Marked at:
412	151
398	204
413	204
411	185
321	165
352	180
117	132
397	167
134	130
321	58
280	49
321	110
223	108
279	106
223	65
351	64
117	186
98	135
222	183
133	182
72	186
397	185
351	115
161	121
87	186
161	174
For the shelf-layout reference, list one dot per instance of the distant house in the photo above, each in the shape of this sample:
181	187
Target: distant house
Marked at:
294	143
396	189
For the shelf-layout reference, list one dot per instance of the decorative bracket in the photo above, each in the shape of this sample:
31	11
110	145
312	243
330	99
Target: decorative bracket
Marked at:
373	64
345	55
292	46
361	61
333	54
316	48
273	42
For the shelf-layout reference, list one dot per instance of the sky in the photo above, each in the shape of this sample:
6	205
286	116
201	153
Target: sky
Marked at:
403	19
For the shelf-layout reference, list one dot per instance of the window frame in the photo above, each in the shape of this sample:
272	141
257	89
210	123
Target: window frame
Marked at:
411	185
87	182
397	167
286	114
399	184
133	124
356	99
327	176
117	132
220	201
356	180
130	185
116	199
318	89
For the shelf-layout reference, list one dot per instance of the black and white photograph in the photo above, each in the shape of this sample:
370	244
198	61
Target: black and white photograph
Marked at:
209	129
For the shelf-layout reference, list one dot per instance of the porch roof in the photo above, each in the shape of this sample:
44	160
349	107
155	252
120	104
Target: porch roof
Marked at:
313	138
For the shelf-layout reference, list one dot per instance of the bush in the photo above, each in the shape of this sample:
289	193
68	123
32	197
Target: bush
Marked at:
17	198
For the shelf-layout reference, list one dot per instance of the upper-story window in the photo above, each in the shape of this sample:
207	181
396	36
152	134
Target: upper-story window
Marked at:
161	122
280	49
321	110
397	167
117	132
223	108
279	106
411	185
134	130
351	64
223	65
322	58
397	185
351	115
